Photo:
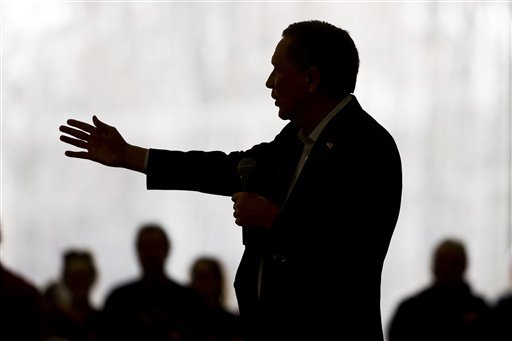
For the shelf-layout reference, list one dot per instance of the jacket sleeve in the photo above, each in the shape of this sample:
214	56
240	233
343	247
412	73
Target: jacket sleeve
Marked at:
215	172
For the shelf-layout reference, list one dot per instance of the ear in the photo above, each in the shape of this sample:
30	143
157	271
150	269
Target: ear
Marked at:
313	79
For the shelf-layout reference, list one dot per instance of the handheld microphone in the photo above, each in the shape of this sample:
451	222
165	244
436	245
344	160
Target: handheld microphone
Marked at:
247	169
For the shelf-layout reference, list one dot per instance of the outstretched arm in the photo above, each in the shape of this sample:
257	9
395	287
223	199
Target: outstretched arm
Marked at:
103	144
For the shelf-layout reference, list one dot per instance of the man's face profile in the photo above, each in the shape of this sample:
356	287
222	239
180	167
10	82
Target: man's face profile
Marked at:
288	85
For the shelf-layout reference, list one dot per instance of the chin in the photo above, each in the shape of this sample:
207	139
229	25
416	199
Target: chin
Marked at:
284	115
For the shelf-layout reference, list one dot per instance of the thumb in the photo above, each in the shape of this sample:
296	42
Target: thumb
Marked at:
98	123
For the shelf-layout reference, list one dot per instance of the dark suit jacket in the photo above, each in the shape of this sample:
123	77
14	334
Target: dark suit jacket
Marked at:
323	257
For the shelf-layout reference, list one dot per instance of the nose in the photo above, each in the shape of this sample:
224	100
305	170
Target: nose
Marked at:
270	81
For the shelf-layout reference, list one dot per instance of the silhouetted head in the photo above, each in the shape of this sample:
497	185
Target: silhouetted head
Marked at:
79	273
328	48
153	247
449	262
207	278
315	62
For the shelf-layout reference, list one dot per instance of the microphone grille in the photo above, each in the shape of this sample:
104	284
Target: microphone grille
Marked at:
247	167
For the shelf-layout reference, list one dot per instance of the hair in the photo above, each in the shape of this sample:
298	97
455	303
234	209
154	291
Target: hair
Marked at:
214	267
330	49
450	260
212	263
83	259
153	228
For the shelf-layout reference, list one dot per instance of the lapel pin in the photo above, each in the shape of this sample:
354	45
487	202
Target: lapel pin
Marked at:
329	144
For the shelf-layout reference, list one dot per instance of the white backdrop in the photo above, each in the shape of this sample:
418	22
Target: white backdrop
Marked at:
190	75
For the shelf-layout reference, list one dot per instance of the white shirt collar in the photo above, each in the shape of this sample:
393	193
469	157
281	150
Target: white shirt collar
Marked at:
313	136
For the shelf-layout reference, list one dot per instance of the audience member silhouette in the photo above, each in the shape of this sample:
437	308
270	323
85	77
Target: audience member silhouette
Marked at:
154	307
502	311
207	278
72	315
502	318
23	314
447	309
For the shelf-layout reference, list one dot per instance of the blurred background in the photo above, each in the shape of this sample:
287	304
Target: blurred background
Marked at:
191	75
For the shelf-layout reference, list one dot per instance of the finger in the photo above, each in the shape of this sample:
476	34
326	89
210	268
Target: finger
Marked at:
235	196
74	142
81	125
77	155
79	134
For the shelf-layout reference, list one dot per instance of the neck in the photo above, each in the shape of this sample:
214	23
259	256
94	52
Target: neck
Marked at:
154	276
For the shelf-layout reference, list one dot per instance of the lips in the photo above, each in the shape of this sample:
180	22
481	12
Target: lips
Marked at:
275	100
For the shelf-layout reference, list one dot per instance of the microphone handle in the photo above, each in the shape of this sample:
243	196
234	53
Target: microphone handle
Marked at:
250	237
244	187
244	183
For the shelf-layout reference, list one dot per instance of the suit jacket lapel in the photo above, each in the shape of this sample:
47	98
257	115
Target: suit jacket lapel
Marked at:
288	165
328	139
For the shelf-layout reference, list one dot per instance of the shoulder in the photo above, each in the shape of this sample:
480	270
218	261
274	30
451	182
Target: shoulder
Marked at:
353	123
15	284
188	293
418	299
505	301
123	289
177	292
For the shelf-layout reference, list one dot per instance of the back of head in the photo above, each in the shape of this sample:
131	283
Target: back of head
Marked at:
330	49
449	262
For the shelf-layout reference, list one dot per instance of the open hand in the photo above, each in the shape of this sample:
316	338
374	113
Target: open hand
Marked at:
100	142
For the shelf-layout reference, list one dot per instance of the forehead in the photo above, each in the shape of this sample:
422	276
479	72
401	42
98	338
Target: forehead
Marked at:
281	51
